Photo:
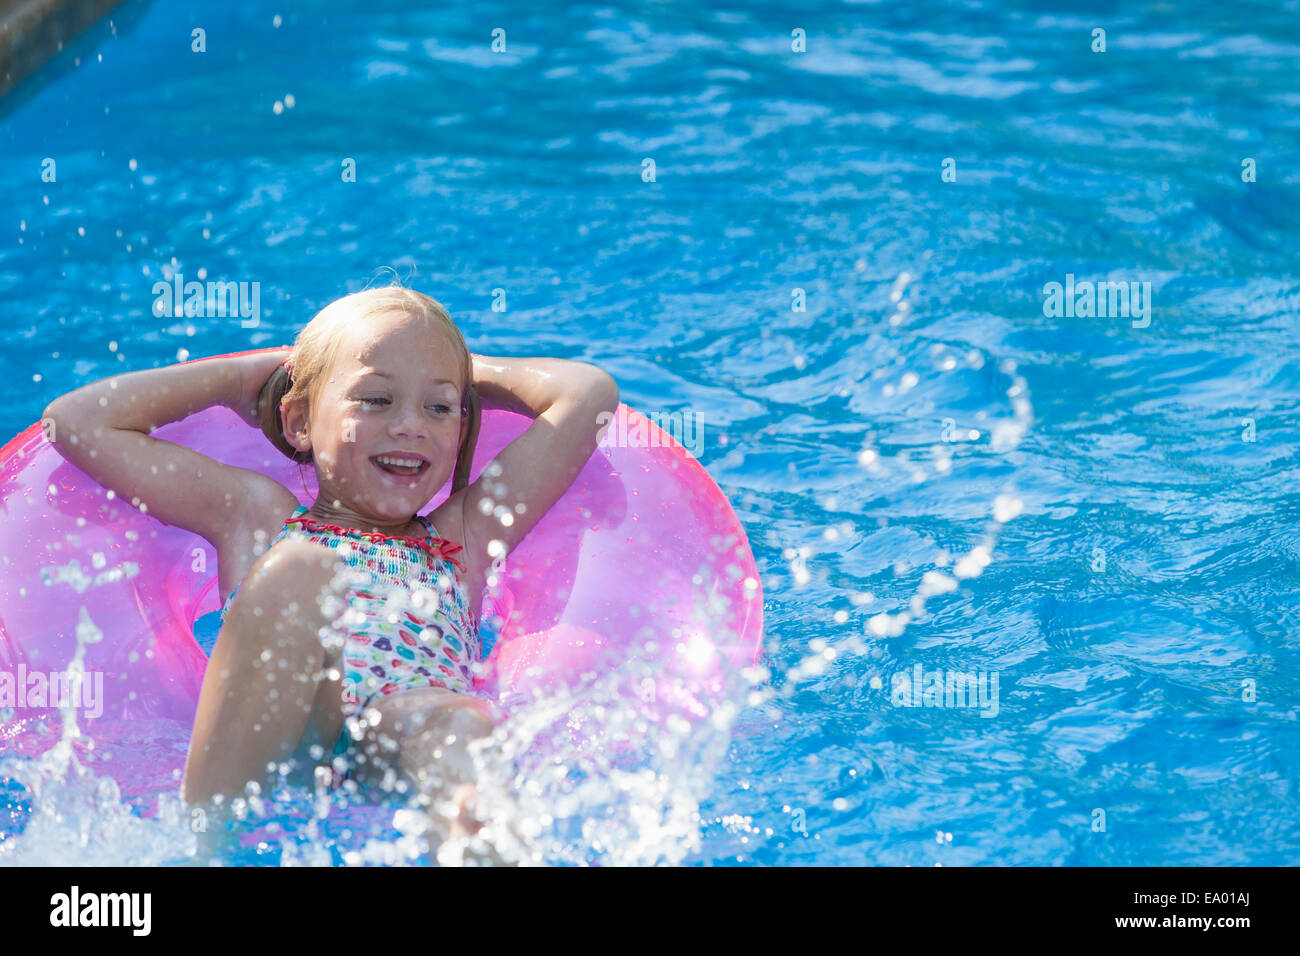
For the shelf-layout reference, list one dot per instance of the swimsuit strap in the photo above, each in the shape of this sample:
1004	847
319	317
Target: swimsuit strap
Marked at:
443	547
439	548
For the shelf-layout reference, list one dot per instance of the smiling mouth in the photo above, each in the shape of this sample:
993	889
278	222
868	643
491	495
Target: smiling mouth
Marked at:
391	465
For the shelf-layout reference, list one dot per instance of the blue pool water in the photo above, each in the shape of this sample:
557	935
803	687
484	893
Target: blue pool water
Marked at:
1137	608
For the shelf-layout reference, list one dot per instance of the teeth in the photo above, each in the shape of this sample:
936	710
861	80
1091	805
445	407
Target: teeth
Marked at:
402	462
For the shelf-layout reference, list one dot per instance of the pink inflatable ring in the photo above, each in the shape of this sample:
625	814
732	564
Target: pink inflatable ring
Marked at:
642	561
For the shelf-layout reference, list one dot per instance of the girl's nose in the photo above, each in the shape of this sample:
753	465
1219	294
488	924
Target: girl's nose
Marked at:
409	422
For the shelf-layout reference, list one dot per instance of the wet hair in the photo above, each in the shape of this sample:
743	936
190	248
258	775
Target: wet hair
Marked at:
318	344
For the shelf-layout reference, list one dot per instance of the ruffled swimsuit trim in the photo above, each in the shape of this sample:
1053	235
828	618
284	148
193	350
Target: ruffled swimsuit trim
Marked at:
440	548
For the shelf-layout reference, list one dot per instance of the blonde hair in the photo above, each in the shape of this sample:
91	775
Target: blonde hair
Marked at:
318	344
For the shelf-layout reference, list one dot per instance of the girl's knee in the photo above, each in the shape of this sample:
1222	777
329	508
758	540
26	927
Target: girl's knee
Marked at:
469	723
292	578
284	606
295	561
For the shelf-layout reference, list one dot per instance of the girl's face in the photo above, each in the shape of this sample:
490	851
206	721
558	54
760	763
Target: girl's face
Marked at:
392	395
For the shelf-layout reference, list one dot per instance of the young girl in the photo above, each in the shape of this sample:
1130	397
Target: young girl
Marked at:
351	626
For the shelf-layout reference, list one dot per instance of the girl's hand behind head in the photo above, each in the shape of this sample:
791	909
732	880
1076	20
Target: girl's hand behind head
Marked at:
254	370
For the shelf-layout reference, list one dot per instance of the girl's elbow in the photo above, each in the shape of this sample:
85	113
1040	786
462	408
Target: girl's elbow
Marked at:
53	421
591	386
600	381
605	390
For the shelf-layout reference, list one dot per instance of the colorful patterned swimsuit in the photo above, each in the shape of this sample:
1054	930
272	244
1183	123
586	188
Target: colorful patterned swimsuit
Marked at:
408	621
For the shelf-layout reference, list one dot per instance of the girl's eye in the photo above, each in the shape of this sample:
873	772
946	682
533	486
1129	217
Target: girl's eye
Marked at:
440	409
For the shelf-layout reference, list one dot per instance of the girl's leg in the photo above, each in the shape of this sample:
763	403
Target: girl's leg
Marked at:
417	741
272	687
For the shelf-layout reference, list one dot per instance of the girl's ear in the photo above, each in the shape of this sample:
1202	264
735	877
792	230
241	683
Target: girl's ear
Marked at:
276	425
296	432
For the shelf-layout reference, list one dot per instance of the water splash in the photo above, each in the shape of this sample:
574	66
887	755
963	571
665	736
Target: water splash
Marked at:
78	818
604	773
1002	436
72	574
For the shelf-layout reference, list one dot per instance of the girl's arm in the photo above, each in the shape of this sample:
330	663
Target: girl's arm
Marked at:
566	398
103	428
